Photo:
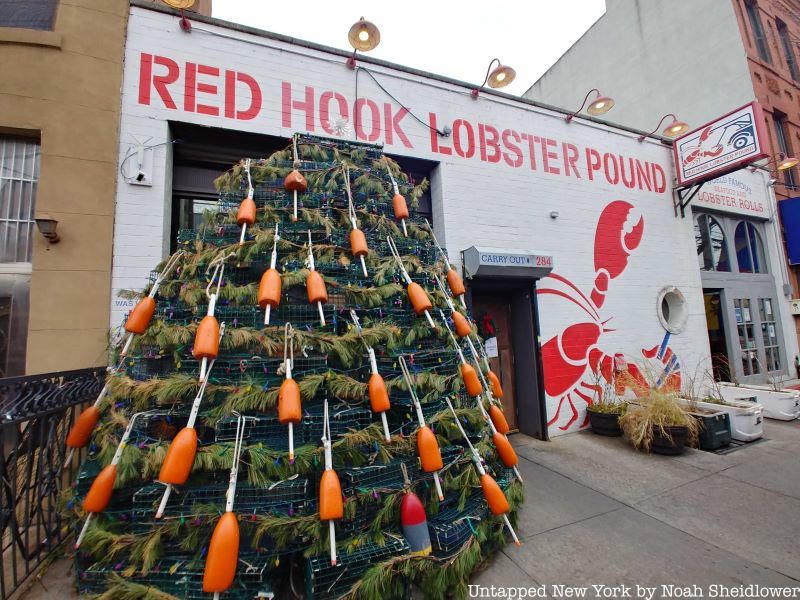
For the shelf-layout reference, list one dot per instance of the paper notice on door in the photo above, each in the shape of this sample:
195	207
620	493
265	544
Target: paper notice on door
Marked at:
491	347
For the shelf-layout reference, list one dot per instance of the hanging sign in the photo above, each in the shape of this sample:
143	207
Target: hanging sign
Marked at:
721	146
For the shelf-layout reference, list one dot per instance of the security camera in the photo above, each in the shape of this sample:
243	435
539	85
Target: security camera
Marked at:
140	176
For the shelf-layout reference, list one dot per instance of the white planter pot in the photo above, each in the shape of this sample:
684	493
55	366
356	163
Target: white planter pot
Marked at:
783	405
747	422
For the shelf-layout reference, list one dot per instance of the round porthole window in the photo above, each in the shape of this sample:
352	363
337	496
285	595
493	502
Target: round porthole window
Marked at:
672	309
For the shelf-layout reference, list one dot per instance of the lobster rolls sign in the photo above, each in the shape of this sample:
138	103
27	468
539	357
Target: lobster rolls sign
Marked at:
721	146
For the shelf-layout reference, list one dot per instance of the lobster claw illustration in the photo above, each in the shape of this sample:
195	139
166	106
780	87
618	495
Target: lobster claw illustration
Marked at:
615	240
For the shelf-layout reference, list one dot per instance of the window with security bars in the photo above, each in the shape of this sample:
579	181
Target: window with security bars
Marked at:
19	174
758	30
770	334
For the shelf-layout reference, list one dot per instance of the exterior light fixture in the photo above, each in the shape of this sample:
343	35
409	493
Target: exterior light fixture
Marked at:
673	129
780	162
785	162
364	36
600	105
47	227
495	78
181	5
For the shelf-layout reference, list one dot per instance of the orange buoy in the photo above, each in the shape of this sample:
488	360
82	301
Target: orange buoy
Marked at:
99	494
269	289
494	495
206	339
247	212
419	298
315	286
471	381
428	450
180	457
378	396
289	404
455	283
494	380
139	319
504	450
81	431
498	419
223	555
331	506
358	243
400	207
295	182
463	327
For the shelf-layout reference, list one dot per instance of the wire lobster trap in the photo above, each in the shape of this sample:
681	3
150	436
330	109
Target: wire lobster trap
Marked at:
182	577
287	497
267	430
326	582
450	528
389	476
442	362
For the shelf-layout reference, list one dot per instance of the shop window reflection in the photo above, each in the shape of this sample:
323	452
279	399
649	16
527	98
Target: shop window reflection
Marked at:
712	249
749	249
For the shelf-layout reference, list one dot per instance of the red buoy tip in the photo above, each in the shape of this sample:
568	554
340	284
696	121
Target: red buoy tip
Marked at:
518	543
333	562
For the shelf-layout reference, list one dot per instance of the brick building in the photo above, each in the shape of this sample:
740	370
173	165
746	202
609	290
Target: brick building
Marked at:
700	60
511	180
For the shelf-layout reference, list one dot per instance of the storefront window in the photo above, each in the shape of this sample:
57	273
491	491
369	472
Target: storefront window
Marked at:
769	334
747	340
749	249
712	250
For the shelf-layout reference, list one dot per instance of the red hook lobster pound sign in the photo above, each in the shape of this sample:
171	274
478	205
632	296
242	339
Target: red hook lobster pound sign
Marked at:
702	150
571	357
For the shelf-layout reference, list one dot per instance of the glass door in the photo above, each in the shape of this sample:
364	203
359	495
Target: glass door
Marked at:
769	334
747	340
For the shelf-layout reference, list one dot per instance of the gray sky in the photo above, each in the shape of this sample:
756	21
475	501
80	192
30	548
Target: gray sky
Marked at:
456	39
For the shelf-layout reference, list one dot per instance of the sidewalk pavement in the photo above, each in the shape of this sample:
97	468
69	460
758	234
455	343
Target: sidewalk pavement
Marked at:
598	512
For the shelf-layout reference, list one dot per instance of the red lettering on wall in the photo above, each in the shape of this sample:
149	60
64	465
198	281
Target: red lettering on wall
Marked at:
192	87
324	110
592	162
488	138
531	148
392	125
516	161
159	82
611	168
435	146
375	120
252	111
306	105
570	152
547	156
469	151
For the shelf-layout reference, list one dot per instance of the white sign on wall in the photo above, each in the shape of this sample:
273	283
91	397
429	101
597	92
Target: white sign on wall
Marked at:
742	193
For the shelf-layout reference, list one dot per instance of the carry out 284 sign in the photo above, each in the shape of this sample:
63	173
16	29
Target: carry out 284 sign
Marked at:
721	146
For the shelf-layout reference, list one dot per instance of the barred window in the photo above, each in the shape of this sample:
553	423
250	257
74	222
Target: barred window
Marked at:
19	174
28	14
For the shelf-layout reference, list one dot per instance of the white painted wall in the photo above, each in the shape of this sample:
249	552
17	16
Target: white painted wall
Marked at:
477	202
683	57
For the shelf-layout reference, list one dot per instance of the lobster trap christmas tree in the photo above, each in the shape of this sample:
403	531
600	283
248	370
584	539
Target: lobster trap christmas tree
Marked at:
300	405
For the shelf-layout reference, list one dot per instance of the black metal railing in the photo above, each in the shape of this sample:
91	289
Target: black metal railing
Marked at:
36	413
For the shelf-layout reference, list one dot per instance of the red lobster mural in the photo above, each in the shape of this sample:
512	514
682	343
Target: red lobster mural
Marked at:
572	356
